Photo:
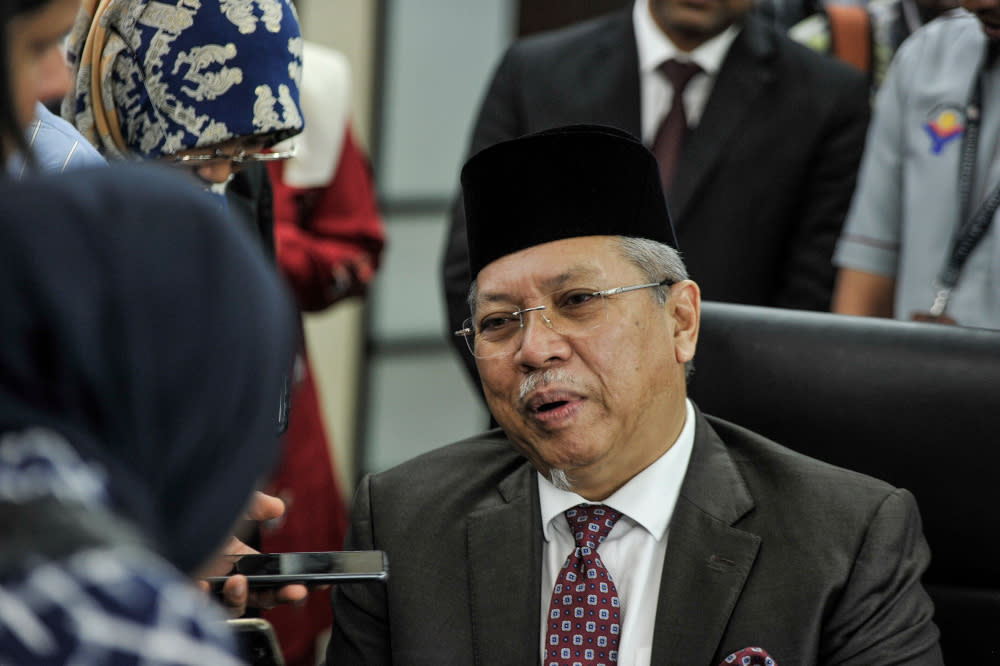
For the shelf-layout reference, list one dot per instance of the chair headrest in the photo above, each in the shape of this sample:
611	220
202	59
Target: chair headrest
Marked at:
913	404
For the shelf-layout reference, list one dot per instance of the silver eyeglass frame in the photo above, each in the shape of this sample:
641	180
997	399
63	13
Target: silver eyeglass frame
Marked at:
470	332
241	157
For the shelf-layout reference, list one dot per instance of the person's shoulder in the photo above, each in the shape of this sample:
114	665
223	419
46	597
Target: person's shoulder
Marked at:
821	83
58	145
775	469
812	65
953	26
942	50
955	32
610	28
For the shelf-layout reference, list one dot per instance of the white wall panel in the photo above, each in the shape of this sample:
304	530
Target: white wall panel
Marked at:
418	402
406	295
439	55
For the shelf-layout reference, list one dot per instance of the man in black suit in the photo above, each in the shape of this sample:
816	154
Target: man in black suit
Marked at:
716	541
766	172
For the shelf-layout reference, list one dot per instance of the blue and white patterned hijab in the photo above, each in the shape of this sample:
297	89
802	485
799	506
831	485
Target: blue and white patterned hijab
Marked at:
152	78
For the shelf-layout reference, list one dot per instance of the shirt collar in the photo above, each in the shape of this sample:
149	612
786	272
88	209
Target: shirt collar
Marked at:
662	479
655	47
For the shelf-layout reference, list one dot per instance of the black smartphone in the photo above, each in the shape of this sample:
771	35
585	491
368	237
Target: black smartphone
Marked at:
257	642
265	570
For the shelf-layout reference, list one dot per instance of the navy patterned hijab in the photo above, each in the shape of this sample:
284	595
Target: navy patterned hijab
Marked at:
150	333
154	77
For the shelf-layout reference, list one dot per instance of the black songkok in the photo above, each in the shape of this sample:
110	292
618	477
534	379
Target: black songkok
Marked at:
580	180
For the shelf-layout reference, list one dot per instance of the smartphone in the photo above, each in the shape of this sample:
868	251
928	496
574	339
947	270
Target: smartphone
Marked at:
257	642
265	570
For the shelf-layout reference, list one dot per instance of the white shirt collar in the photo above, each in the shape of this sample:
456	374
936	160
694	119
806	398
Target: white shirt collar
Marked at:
655	47
662	480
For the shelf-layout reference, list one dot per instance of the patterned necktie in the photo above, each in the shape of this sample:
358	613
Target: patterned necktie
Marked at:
584	614
670	136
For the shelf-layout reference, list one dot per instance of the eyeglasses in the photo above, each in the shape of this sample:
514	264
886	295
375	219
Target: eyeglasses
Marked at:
242	157
569	312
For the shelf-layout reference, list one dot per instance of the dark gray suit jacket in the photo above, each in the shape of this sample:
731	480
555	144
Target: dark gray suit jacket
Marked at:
766	548
764	181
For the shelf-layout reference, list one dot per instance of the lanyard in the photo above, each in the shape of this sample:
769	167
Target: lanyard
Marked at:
972	228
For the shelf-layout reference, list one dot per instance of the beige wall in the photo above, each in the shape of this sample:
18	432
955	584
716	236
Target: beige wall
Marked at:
334	337
349	27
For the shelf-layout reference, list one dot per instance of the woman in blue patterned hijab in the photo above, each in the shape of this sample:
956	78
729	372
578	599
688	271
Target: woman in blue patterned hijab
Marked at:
207	84
165	78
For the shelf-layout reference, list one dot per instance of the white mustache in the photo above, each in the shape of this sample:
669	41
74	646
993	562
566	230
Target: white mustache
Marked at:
534	381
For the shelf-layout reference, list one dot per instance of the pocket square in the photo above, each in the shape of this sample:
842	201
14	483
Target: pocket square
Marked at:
750	656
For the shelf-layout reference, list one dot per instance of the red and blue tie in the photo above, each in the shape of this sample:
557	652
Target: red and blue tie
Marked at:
584	623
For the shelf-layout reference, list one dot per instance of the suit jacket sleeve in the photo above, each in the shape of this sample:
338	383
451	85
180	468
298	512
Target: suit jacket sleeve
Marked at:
884	615
829	186
498	120
361	625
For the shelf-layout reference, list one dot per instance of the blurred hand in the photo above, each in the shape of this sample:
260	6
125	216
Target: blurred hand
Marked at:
352	277
236	595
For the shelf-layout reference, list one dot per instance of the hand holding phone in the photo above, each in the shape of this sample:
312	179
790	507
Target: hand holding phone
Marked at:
234	594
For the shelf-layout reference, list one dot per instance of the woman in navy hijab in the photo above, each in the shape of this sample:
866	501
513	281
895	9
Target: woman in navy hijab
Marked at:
143	342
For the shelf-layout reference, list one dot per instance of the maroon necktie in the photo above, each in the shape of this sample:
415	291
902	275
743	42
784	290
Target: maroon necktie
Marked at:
584	614
670	136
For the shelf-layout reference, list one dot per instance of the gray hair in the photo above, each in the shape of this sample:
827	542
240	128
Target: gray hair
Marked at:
656	260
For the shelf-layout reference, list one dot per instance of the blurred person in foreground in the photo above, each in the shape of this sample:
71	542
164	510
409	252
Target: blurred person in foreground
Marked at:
142	340
608	520
211	88
34	70
920	241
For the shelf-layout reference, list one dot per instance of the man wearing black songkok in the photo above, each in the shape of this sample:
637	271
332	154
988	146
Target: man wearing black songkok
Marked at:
609	520
765	144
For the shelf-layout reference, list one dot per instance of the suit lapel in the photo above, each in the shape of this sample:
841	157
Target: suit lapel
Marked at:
742	82
707	560
505	559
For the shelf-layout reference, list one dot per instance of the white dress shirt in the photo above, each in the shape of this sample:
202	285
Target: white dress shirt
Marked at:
655	92
633	551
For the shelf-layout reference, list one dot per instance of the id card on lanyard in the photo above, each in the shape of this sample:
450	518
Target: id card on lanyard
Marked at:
971	228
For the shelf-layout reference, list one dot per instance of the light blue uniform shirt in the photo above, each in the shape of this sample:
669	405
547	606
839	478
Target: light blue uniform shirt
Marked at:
57	146
906	207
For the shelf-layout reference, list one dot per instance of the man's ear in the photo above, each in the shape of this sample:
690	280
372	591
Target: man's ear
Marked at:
684	306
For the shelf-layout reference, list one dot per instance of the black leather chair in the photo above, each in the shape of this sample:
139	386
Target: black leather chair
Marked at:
917	405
